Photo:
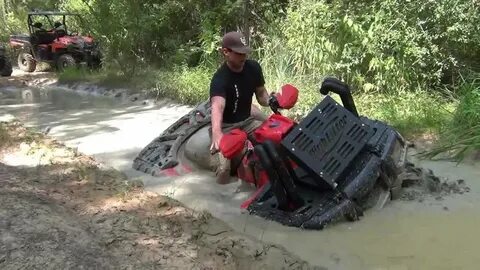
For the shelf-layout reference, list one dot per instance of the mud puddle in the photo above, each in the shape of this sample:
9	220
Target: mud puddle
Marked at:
113	129
61	210
430	233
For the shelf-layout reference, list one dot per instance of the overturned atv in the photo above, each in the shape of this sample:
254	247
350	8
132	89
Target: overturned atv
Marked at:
331	165
5	64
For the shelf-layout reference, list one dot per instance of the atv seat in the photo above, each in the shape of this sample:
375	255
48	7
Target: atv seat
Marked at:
60	32
43	37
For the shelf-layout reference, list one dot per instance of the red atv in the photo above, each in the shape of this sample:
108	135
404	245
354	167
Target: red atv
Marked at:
332	164
49	40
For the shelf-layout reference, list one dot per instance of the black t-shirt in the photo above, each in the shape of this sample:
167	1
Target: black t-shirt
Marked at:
237	88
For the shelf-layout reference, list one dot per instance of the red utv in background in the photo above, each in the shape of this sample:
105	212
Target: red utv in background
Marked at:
49	40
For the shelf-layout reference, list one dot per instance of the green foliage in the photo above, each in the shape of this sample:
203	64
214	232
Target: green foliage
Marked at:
402	58
172	32
467	113
462	135
189	85
388	45
412	113
72	75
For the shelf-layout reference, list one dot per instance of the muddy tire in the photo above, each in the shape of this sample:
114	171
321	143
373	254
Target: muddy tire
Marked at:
26	62
6	70
96	62
65	61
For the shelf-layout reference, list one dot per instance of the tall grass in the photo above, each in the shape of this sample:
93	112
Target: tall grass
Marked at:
412	113
461	135
187	85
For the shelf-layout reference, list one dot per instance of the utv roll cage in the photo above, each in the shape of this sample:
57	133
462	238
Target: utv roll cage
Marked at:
48	16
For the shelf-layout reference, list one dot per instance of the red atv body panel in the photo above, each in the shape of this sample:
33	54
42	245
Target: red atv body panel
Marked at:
274	128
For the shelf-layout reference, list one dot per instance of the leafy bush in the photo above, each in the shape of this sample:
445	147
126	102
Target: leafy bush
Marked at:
388	45
397	55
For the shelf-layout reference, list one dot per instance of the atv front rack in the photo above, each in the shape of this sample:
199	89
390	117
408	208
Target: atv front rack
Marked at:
368	156
327	140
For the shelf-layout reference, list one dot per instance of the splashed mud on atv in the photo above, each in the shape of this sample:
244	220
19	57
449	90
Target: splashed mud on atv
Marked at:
330	166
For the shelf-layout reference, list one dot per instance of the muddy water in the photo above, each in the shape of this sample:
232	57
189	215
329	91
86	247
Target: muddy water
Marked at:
437	233
433	234
112	129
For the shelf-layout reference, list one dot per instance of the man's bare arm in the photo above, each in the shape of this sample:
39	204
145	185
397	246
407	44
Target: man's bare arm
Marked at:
262	96
257	114
218	105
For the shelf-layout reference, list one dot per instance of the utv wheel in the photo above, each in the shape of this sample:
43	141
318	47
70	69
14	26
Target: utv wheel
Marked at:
96	62
65	61
26	62
6	70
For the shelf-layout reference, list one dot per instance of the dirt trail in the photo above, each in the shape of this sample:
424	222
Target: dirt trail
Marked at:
67	212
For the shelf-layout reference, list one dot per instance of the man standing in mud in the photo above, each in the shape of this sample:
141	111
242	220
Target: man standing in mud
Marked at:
231	92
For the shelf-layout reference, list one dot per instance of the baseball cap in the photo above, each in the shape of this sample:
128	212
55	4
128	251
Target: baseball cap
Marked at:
236	42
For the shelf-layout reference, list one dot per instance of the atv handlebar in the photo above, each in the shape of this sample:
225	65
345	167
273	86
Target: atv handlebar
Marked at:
284	99
273	103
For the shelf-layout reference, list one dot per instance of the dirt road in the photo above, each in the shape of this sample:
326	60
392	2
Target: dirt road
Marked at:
63	211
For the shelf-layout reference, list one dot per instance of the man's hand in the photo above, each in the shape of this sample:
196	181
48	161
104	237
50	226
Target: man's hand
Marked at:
216	137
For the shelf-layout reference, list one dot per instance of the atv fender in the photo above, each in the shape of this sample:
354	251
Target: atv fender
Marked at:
197	150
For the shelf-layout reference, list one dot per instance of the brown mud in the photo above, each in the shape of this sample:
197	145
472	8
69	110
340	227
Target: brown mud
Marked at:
65	211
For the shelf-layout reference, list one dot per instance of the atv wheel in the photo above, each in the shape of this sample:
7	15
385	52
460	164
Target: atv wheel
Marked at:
65	61
6	70
26	62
